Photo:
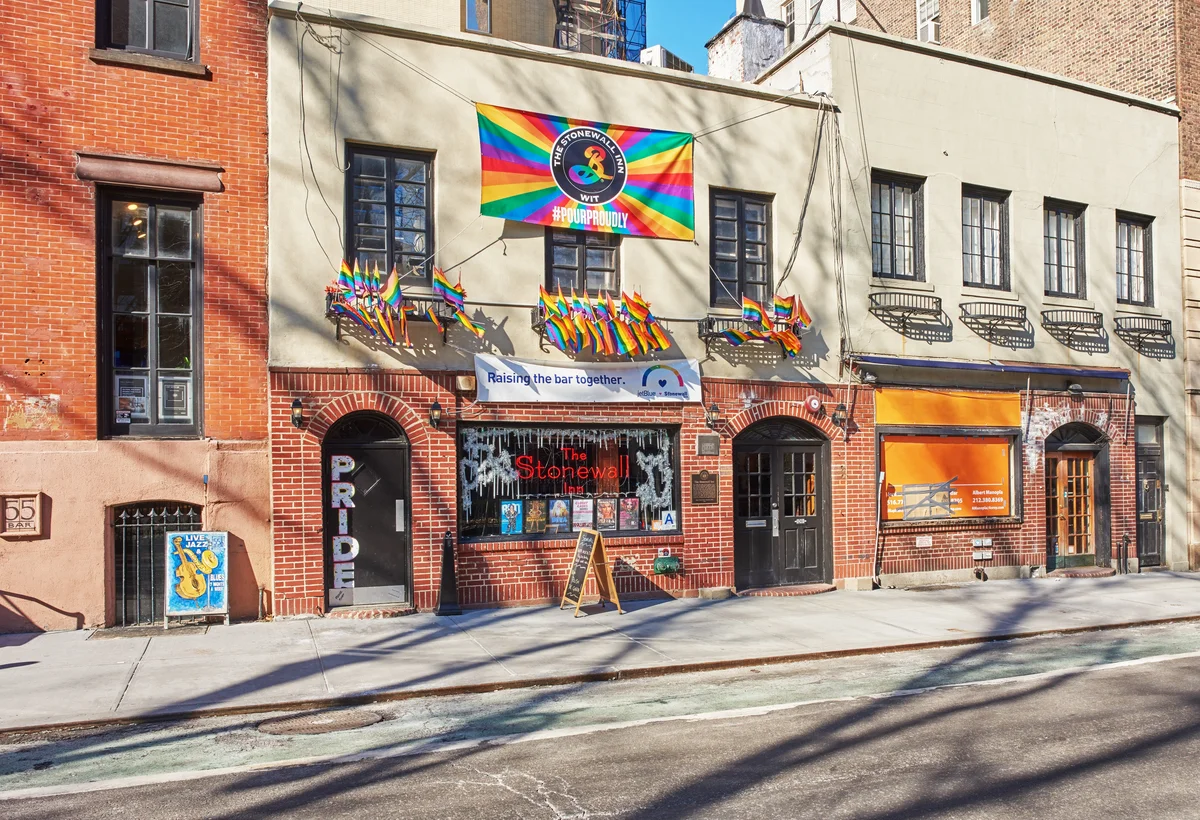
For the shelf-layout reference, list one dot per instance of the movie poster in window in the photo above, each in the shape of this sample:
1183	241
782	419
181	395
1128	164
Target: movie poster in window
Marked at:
583	511
560	516
537	515
631	514
606	514
512	517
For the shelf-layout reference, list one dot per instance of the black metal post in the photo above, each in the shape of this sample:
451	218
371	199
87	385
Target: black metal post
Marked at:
448	594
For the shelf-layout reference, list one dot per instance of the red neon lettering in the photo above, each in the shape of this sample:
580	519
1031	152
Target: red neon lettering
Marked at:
525	467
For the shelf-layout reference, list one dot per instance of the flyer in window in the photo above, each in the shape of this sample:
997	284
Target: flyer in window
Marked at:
582	513
133	395
560	515
175	398
536	516
631	514
511	517
606	514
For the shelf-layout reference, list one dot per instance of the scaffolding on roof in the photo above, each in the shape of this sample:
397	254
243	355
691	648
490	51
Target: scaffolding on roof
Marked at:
607	28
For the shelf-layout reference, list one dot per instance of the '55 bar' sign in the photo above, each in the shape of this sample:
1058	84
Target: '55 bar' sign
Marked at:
22	514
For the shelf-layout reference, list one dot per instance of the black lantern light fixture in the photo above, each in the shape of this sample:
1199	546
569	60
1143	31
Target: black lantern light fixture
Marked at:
297	413
435	415
1075	389
839	416
712	415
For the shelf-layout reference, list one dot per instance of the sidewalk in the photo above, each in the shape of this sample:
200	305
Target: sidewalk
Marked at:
64	677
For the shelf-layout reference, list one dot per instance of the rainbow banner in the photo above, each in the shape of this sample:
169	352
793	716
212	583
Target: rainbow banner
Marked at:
583	175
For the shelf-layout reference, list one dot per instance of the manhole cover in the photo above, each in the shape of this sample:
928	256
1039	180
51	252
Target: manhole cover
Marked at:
319	723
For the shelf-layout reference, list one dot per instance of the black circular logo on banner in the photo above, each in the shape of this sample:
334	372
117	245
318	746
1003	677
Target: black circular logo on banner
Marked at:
588	166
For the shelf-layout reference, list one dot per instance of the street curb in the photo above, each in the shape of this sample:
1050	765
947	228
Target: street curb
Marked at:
637	673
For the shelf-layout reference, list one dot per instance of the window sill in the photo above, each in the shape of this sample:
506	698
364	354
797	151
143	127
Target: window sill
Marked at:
1138	310
164	65
901	284
1067	302
985	294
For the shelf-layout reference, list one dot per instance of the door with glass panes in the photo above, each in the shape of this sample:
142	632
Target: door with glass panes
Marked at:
780	499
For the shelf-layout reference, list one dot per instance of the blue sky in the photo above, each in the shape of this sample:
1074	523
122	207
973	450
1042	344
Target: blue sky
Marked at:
684	26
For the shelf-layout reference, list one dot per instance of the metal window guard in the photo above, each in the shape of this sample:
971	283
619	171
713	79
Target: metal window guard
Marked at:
441	309
903	308
994	315
1073	322
711	328
1140	331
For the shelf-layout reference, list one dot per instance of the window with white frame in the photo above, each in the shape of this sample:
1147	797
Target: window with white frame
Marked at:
979	11
929	21
814	14
789	22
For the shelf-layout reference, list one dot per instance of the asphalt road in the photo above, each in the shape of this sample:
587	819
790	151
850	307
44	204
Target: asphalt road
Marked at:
975	734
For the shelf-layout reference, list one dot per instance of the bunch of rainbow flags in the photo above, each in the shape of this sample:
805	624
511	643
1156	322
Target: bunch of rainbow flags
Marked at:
376	303
788	311
579	325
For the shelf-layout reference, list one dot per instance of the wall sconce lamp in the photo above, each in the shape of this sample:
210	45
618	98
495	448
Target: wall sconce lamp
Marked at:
435	415
711	416
839	417
297	413
1075	389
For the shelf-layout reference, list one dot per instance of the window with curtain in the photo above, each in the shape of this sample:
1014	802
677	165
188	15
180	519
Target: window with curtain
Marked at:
1134	261
985	238
1064	250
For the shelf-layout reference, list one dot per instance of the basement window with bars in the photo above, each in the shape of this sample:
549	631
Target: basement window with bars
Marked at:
139	556
163	28
150	318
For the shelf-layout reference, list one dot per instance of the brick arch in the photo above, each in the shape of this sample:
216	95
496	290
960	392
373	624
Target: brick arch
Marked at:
786	409
415	427
1106	419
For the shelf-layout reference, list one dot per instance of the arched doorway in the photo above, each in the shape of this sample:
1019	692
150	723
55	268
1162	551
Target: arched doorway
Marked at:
781	512
368	553
1077	497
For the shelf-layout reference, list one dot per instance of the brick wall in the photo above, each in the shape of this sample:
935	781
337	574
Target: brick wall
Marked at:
57	101
1128	45
513	572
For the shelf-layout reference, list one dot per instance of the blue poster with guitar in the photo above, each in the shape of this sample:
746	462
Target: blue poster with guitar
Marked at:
197	583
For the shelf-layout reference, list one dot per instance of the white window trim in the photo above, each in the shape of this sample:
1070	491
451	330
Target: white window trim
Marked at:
929	30
977	15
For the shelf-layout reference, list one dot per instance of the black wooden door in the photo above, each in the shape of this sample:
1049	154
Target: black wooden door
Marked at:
1150	527
779	515
374	565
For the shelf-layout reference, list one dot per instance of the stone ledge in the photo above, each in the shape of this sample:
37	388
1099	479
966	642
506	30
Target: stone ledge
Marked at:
786	592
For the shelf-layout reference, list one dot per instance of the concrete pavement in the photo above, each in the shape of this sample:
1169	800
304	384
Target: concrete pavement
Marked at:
73	676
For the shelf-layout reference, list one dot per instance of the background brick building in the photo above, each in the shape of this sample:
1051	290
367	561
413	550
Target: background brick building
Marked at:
95	115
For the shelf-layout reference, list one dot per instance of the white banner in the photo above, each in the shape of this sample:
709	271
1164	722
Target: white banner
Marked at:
514	380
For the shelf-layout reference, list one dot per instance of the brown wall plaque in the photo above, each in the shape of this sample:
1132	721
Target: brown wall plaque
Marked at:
705	488
22	514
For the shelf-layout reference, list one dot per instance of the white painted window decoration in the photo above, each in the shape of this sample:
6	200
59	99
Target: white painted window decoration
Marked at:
929	21
789	22
979	11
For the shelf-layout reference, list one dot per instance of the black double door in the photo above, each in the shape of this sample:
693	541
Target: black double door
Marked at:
375	566
780	508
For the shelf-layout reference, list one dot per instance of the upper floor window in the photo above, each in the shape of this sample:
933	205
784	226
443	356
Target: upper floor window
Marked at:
896	227
814	15
1064	250
740	256
979	11
582	261
929	21
1135	282
789	22
165	28
479	15
390	211
985	238
150	316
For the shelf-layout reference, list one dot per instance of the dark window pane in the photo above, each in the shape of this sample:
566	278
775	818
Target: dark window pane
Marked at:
410	241
410	170
366	260
175	342
725	208
373	239
368	166
131	343
175	233
410	218
564	279
130	228
370	215
600	258
171	28
129	286
407	194
129	23
175	287
598	280
568	255
367	191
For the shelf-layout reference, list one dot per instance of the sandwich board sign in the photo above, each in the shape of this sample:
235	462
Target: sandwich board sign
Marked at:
197	574
589	554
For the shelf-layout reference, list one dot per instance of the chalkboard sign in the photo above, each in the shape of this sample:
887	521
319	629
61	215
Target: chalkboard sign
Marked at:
589	554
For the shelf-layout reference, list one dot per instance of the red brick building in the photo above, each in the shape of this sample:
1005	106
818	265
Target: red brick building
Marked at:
133	339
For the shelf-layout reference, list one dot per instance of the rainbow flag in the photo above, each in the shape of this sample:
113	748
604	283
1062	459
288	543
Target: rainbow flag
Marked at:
391	294
803	320
431	314
345	280
355	315
636	181
753	313
546	303
555	334
453	295
785	307
360	286
466	322
789	341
